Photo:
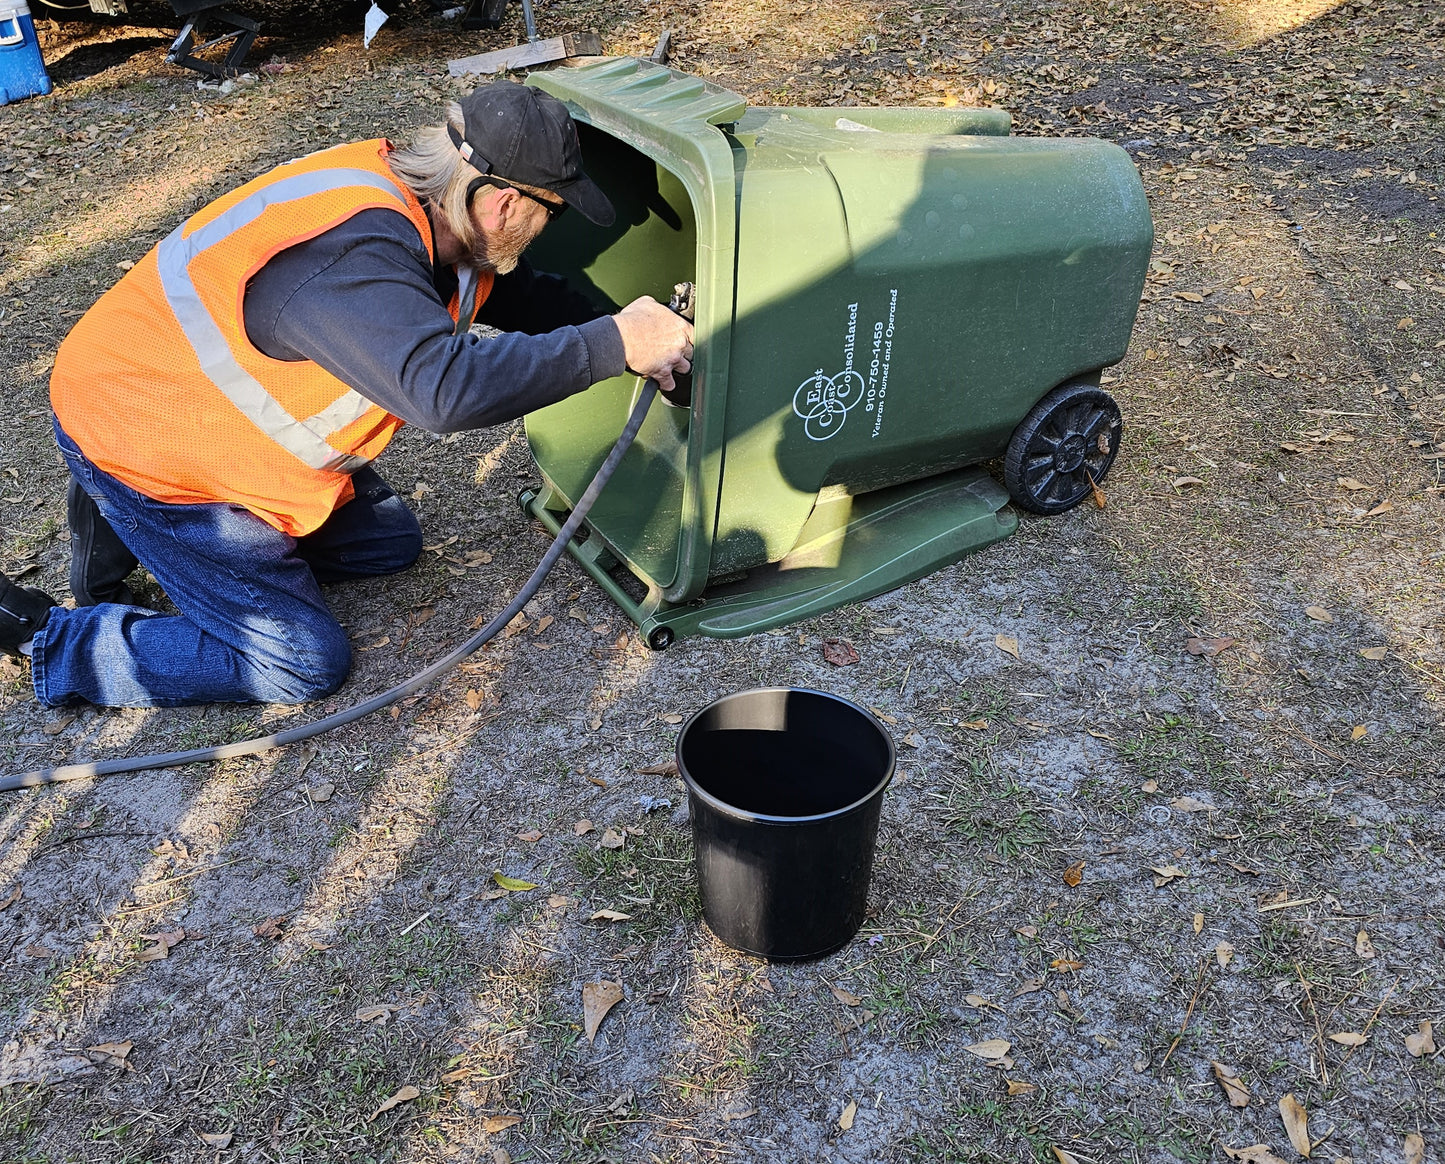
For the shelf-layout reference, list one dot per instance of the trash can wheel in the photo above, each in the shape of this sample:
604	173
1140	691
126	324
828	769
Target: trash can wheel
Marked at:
1068	437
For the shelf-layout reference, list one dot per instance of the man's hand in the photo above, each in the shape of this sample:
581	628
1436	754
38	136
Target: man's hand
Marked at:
658	342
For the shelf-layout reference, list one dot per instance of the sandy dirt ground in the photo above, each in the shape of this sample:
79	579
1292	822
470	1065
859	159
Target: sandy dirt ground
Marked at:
1163	880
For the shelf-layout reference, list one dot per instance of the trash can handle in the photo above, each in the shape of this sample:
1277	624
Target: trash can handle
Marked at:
6	41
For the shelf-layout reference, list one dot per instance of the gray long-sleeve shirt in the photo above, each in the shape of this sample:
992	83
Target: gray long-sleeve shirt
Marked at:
364	302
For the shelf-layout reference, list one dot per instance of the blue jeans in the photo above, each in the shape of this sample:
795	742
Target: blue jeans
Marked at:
253	625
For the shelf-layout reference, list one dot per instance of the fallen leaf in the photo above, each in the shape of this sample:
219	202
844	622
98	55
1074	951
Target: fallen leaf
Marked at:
305	758
500	1123
556	901
379	1013
1185	482
114	1053
56	726
1349	483
1008	645
1349	1038
845	997
1030	986
975	725
531	836
1364	948
405	1095
1198	922
10	900
991	1049
1375	654
839	652
271	928
583	827
666	768
597	999
610	915
1319	614
673	717
845	1121
1296	1119
1065	965
1189	804
163	943
1074	874
511	884
1234	1089
1422	1042
217	1139
1358	732
543	623
1414	1148
1208	647
1019	1087
1254	1154
1223	953
473	698
1165	874
612	839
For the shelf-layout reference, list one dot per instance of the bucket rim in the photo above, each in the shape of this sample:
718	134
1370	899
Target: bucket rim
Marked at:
742	814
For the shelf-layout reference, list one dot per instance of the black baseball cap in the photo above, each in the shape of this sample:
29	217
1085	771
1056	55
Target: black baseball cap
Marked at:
522	134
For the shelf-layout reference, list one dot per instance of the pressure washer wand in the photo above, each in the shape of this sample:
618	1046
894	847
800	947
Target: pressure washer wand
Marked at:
647	391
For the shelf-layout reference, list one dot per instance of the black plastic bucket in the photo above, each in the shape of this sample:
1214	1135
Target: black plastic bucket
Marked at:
785	786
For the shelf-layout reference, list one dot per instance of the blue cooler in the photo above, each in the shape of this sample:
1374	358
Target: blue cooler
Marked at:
22	72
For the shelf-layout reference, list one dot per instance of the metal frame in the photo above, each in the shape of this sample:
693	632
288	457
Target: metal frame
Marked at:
243	31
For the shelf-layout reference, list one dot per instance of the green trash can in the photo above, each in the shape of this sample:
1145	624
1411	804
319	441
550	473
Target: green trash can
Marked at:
885	300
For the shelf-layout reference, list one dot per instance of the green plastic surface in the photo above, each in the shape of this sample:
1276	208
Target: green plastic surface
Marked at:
882	295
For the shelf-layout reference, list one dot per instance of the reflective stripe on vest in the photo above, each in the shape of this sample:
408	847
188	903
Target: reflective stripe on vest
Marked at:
467	279
304	439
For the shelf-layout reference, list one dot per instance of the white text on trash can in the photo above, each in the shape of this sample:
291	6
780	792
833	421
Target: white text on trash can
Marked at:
823	401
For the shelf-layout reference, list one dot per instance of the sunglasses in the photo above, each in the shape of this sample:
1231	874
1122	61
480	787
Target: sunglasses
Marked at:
554	210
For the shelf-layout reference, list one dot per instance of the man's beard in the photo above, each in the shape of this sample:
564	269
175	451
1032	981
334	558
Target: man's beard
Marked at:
503	251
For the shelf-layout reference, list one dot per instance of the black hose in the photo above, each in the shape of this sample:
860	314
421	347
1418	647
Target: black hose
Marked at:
386	698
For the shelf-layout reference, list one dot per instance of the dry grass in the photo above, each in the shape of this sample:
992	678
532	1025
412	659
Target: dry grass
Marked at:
1292	160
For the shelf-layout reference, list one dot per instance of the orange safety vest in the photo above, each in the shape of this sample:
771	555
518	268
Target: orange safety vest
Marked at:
161	388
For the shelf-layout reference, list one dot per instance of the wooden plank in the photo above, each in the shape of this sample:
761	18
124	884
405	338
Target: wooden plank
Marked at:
540	52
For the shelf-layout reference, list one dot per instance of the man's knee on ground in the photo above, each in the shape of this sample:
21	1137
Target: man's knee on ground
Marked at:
312	670
408	544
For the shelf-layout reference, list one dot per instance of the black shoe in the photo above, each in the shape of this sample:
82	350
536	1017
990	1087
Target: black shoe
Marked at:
99	561
23	611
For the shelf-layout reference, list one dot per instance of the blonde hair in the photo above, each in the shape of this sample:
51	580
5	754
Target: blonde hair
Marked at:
438	174
435	171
